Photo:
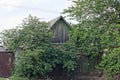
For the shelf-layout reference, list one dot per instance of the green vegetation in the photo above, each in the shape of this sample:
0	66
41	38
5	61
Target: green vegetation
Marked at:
97	35
43	60
14	78
111	62
38	57
18	78
30	34
2	78
97	31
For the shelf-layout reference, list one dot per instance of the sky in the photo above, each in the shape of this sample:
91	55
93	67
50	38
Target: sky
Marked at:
12	12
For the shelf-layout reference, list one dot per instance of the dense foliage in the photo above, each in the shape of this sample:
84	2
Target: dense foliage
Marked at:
111	62
95	35
43	60
87	41
98	24
97	31
30	34
35	55
100	11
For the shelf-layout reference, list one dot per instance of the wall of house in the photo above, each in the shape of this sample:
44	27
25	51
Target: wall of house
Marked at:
60	32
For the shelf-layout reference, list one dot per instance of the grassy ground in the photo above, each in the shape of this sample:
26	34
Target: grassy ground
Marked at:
14	78
4	79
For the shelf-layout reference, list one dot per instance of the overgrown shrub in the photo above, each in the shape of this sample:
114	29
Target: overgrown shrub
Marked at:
43	60
111	62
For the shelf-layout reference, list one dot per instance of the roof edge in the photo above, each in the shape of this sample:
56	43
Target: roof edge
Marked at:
54	21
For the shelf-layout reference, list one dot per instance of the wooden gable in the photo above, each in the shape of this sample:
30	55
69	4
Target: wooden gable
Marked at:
60	29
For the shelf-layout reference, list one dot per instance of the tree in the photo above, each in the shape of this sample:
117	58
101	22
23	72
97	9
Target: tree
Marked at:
30	34
89	10
98	24
97	31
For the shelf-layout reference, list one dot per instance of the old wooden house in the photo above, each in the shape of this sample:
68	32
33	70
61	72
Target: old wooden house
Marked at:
60	29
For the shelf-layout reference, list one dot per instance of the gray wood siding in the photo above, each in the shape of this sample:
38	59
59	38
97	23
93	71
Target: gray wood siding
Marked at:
60	32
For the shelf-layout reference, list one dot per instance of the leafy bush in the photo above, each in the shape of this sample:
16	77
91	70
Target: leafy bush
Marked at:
111	62
41	61
30	64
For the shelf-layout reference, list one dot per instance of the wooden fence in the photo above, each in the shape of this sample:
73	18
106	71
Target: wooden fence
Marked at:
6	63
87	64
86	67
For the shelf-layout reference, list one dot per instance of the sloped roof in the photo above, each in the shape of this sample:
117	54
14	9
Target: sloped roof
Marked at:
54	21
